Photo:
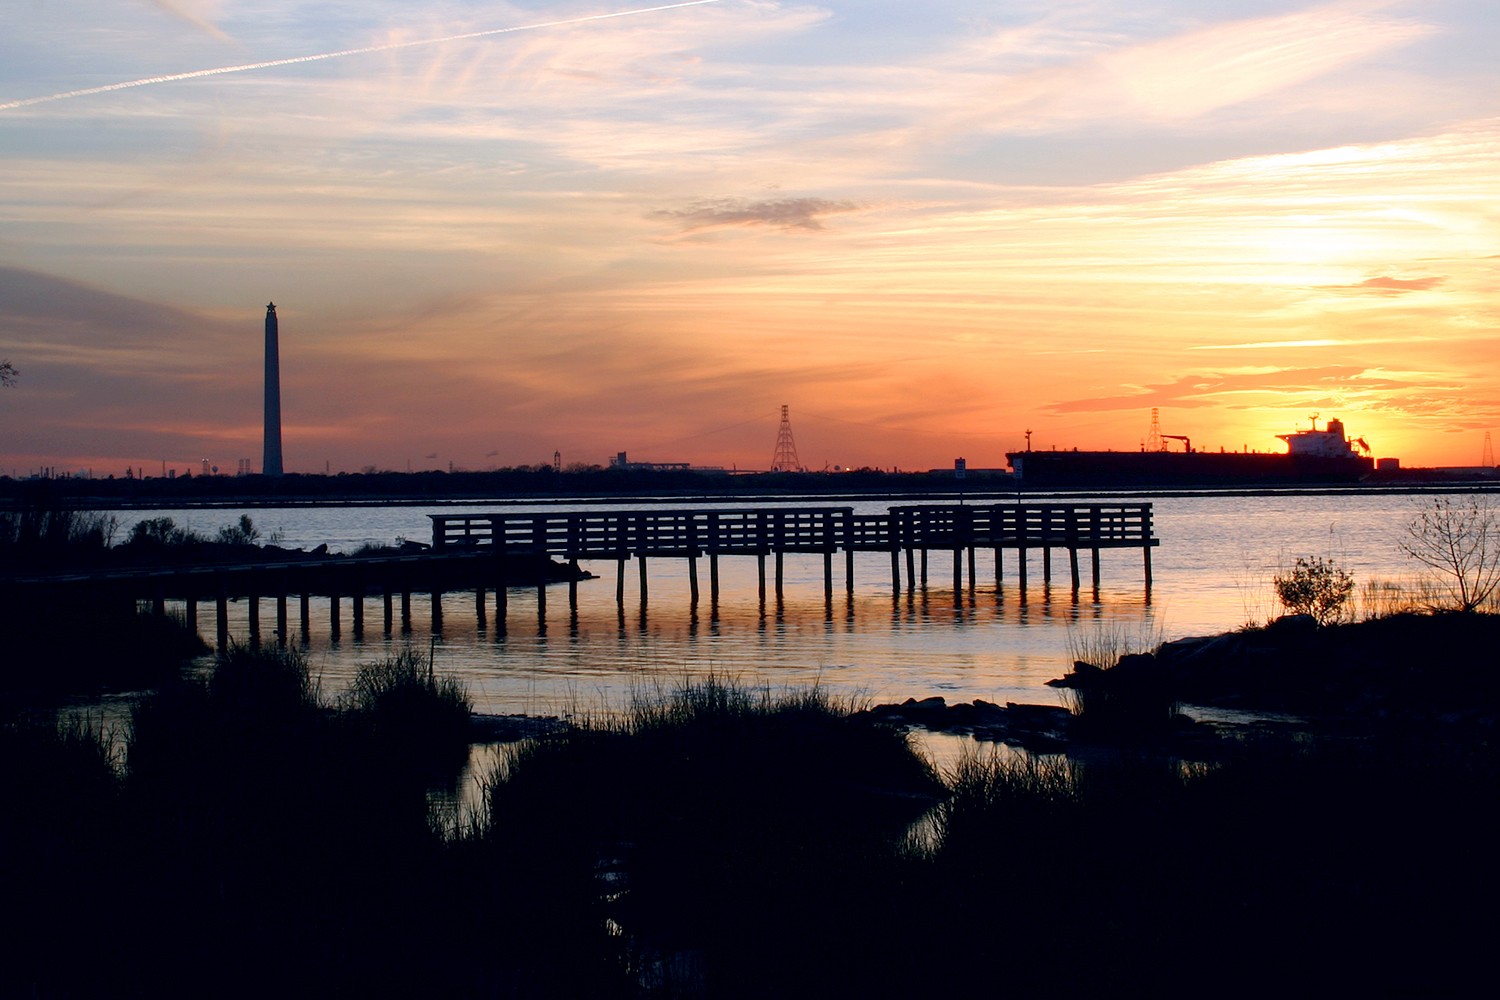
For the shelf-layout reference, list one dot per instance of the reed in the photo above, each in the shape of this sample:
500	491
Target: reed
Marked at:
51	769
55	535
413	716
1116	689
721	819
1102	643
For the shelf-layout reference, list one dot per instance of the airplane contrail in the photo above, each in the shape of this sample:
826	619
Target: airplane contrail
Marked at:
293	60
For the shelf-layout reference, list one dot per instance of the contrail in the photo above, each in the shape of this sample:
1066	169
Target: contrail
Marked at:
387	47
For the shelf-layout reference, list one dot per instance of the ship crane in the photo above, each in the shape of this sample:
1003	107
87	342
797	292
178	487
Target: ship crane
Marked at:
1187	442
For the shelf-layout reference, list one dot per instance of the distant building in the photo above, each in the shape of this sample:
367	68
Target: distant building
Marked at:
624	464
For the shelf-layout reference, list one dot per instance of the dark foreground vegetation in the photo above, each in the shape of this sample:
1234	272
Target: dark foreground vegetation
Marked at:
247	835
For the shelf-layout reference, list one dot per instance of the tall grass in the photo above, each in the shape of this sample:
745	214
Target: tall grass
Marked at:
1382	598
1116	689
720	818
412	715
1102	643
54	533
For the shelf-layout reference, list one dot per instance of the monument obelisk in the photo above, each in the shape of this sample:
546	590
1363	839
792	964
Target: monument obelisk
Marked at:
271	460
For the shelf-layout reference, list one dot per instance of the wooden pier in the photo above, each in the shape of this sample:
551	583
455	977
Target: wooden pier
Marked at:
494	552
773	532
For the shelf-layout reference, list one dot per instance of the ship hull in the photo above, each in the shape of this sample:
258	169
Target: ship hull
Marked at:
1175	468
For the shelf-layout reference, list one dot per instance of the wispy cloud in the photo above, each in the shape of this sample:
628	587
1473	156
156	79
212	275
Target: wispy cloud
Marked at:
1386	285
806	214
1201	71
192	12
1257	387
1270	345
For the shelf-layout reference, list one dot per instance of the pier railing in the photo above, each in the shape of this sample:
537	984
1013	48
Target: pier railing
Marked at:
644	533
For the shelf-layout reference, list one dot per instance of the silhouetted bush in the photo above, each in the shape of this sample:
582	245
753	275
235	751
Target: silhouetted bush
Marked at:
55	650
1317	587
411	716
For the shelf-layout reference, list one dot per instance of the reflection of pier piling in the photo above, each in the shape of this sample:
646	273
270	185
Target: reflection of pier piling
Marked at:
493	552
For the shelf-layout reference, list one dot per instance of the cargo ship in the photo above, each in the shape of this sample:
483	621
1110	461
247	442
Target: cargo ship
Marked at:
1312	457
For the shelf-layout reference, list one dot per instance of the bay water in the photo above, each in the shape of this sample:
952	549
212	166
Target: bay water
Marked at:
1213	571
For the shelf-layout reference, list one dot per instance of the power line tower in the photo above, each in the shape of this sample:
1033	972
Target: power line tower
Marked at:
1153	439
785	459
1488	461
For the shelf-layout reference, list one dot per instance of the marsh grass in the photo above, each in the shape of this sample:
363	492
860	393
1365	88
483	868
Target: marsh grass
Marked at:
369	550
51	769
1383	598
1101	644
719	818
1115	689
265	681
54	533
989	789
718	840
412	715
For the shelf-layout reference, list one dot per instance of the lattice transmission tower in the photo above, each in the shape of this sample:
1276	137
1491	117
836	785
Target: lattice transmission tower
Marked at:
1153	439
1488	459
785	459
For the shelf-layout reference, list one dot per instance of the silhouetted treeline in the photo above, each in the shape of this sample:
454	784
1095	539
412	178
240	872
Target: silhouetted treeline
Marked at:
518	482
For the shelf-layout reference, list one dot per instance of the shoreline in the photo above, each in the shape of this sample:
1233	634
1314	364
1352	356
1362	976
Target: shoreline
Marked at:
608	487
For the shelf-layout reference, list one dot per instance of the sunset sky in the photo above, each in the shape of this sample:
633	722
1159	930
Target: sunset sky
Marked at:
498	230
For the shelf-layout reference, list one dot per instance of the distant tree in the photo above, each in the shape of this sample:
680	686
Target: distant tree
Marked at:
243	532
1317	587
159	531
1460	541
8	373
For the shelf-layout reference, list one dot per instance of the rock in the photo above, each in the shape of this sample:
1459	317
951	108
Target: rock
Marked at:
1293	625
1198	648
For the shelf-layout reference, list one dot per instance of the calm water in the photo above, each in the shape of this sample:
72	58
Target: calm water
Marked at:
1212	572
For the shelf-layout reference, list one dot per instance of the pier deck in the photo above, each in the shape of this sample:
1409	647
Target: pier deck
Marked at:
484	551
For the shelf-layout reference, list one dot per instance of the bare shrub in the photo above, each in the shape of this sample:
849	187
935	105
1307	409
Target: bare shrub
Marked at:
1459	540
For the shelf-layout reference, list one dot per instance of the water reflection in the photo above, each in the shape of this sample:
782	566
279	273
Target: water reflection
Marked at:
983	631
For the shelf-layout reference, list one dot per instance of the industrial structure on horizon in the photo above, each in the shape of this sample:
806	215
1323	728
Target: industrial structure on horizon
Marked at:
785	457
271	458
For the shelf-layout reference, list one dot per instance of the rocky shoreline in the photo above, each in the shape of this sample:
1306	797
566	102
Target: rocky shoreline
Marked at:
1406	676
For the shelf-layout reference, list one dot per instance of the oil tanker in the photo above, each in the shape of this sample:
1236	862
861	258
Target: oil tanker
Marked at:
1312	457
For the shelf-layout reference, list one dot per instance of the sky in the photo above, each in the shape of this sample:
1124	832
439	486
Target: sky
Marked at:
495	232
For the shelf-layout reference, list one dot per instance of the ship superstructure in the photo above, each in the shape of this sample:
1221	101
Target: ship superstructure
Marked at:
1327	443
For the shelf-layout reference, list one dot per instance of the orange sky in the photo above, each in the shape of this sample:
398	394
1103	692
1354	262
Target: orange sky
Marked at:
925	230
